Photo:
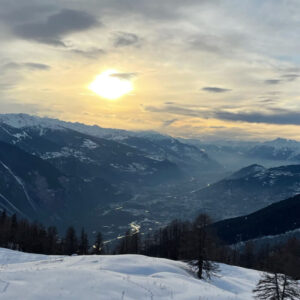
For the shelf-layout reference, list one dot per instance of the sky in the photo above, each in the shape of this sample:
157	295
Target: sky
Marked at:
207	69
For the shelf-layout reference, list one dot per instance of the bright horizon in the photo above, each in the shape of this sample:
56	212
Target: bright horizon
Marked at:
194	69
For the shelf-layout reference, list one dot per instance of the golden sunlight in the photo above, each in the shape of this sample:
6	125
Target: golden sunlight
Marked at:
111	86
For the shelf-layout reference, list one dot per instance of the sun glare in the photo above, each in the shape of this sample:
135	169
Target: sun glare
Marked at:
108	85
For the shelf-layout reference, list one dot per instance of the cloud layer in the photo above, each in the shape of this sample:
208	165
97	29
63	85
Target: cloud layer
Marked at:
273	116
56	26
213	89
200	66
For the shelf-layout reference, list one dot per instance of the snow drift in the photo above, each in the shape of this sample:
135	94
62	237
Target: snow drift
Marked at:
120	277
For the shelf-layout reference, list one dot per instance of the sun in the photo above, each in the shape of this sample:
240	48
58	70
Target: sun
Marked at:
111	86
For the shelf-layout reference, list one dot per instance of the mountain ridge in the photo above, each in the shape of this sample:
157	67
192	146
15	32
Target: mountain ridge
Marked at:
277	218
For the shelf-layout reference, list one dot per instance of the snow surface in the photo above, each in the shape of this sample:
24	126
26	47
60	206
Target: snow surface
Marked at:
25	120
120	277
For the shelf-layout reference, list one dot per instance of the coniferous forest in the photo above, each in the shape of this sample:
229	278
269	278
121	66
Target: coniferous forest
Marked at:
194	242
30	237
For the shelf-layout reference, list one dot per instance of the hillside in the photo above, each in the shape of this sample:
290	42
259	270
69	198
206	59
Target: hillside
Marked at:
248	190
27	131
278	218
30	186
117	277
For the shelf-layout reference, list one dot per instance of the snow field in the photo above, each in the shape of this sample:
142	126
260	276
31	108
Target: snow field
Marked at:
121	277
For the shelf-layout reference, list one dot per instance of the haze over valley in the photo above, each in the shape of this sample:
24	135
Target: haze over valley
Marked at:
149	149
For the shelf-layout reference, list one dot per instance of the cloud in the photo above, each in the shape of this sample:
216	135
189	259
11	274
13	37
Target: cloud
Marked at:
177	110
268	100
284	78
217	127
273	81
290	77
37	66
221	44
272	116
6	86
16	12
12	105
169	122
212	89
28	65
89	53
124	76
56	26
124	39
275	116
155	9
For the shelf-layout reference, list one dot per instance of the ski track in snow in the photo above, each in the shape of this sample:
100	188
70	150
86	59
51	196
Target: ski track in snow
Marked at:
119	277
19	181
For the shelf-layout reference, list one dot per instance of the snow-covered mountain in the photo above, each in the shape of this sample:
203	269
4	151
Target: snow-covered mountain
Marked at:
278	149
237	154
88	156
99	175
64	177
247	190
111	178
25	120
35	189
156	146
135	277
189	158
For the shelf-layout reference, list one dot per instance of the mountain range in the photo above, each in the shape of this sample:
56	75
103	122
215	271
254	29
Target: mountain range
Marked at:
238	154
248	190
64	173
59	172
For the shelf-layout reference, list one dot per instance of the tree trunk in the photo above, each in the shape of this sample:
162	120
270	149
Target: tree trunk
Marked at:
200	267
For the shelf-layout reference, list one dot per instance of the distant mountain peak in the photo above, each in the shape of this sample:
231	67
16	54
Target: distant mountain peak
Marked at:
282	142
24	120
247	171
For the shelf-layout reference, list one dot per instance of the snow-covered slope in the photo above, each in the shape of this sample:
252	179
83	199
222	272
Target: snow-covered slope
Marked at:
24	120
127	277
278	149
189	158
247	190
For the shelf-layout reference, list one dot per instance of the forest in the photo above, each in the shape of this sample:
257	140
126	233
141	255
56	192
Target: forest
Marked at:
194	242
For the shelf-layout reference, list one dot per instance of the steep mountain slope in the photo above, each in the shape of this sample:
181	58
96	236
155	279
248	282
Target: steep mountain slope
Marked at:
35	189
248	190
86	156
25	121
29	186
99	174
107	277
275	219
191	159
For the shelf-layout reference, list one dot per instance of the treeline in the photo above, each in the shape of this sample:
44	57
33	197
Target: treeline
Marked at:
197	242
189	241
194	242
35	238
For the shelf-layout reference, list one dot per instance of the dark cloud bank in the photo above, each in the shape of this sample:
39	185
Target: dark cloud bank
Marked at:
51	30
273	116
